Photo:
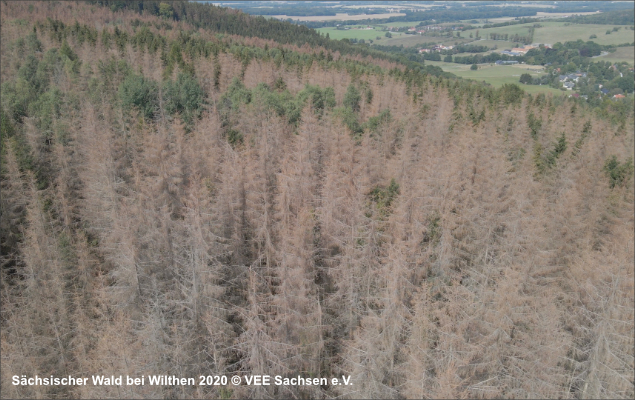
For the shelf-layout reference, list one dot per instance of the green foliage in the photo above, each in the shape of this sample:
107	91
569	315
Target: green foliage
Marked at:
352	98
511	94
23	153
279	84
433	230
526	79
349	118
545	161
585	132
16	97
279	102
235	95
234	137
538	160
185	97
7	129
534	125
321	99
369	95
66	51
106	39
30	44
474	67
282	102
141	93
559	148
33	79
166	11
375	122
383	197
46	109
15	139
217	73
618	173
626	84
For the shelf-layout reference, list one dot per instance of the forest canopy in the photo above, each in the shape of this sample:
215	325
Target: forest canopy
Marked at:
191	191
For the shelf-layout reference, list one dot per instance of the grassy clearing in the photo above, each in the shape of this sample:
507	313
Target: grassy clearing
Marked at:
496	75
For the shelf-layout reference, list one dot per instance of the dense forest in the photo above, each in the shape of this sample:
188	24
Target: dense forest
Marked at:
178	198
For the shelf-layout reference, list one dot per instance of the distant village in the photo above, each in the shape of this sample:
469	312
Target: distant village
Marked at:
566	80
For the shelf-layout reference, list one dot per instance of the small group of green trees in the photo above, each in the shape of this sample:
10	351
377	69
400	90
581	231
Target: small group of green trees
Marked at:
349	113
527	39
277	99
182	96
383	196
619	173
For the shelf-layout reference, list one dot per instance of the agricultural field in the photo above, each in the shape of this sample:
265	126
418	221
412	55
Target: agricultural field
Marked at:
394	6
621	54
521	30
400	24
496	75
416	40
500	44
339	17
553	32
352	33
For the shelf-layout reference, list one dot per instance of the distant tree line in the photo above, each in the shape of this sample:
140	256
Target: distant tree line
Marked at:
616	17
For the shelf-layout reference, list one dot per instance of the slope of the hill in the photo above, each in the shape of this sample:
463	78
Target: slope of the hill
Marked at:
177	202
234	22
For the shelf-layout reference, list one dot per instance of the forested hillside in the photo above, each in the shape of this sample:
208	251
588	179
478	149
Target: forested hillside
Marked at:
181	201
230	21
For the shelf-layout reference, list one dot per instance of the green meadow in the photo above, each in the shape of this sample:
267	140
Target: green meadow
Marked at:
495	75
365	34
621	54
416	40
